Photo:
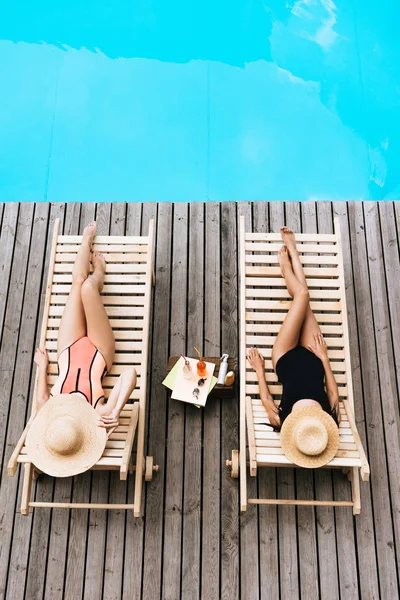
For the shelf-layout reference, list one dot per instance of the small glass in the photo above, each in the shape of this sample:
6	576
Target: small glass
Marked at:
187	370
201	367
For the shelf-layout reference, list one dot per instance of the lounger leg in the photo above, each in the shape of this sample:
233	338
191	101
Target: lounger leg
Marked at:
355	490
26	489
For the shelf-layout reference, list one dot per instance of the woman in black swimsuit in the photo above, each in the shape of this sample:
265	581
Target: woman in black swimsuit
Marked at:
299	356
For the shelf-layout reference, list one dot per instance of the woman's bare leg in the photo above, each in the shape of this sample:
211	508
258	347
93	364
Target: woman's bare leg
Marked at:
119	394
310	324
289	333
98	326
73	322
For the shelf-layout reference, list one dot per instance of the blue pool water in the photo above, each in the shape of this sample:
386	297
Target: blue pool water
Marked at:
137	100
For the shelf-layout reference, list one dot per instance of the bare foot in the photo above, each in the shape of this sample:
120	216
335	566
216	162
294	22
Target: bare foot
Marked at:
99	269
90	231
284	260
288	238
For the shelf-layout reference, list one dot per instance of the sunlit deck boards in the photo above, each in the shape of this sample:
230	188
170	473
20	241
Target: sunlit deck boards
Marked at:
191	541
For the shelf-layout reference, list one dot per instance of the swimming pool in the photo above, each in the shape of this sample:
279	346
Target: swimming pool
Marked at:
165	101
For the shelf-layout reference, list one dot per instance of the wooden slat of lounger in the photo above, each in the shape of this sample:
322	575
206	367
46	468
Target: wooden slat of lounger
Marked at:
116	324
278	317
251	377
120	301
72	247
285	305
121	358
269	340
265	460
110	258
105	239
123	268
275	271
315	282
271	328
272	259
282	293
276	389
108	289
332	354
117	278
263	246
112	311
300	237
119	334
337	366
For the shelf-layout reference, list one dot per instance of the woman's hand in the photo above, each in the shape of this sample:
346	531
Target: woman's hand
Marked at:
110	422
256	360
319	348
41	358
273	417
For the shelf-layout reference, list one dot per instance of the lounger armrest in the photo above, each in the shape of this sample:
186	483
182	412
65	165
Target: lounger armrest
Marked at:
129	441
251	437
13	462
365	471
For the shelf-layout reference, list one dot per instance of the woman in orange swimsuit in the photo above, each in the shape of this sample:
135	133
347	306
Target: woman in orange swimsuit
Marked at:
86	344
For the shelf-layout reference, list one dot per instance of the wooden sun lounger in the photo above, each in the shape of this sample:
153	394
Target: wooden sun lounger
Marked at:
264	302
127	296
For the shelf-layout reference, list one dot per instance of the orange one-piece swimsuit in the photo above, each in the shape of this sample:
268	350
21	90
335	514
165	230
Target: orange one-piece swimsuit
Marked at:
81	368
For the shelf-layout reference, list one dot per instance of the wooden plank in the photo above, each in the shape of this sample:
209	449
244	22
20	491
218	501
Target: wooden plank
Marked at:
249	575
249	572
388	389
288	555
136	223
191	538
210	544
78	524
306	521
114	559
36	573
19	398
347	567
7	242
152	582
267	515
325	518
229	412
359	319
99	489
58	541
13	414
291	214
176	411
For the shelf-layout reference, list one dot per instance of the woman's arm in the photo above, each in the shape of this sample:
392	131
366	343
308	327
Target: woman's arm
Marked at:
41	359
257	362
320	349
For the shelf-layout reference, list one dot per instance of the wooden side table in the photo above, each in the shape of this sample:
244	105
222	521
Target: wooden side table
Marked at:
218	391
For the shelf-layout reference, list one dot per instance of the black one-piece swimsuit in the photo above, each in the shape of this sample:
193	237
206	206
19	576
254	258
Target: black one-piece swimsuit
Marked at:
302	375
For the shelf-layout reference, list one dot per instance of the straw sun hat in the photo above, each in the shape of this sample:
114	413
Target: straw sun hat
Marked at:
64	438
309	437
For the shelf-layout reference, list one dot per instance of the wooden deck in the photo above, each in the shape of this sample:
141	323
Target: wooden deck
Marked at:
191	541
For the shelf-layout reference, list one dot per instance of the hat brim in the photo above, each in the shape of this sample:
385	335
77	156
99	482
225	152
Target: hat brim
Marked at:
94	439
287	438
